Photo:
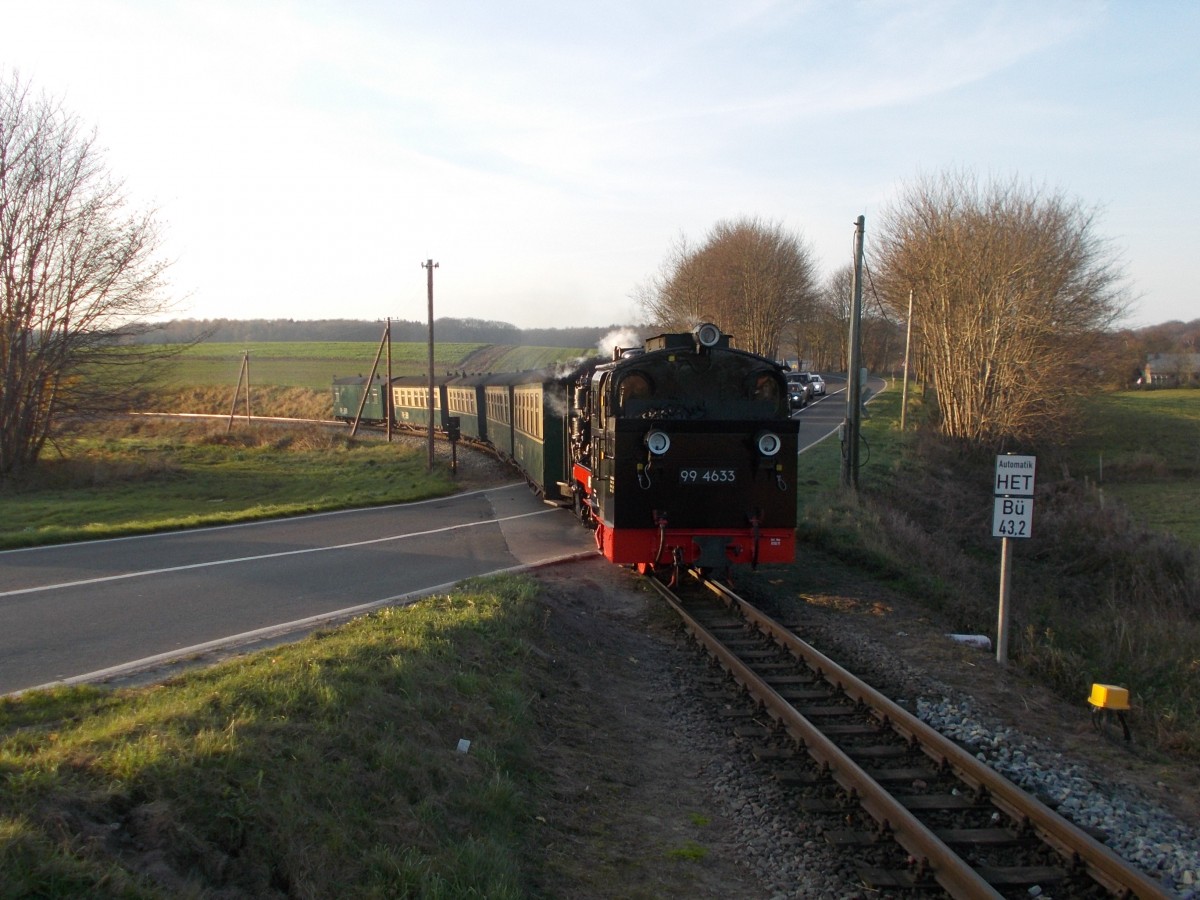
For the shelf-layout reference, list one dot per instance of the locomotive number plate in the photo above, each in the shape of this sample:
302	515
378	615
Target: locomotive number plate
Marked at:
708	475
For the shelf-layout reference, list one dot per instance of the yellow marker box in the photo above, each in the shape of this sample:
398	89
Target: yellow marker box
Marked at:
1109	696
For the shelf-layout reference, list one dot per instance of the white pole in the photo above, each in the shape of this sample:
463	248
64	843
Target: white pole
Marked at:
1005	585
907	344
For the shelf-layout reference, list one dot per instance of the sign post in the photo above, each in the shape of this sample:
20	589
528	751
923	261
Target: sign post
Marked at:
1012	517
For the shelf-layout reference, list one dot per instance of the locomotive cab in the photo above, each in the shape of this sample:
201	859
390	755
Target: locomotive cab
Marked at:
692	455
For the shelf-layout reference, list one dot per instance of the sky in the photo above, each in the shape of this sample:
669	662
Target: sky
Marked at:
305	158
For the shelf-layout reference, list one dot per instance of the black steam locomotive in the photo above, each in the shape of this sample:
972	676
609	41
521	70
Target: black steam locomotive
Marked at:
680	453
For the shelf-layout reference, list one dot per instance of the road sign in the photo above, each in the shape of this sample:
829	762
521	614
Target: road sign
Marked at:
1012	517
1014	476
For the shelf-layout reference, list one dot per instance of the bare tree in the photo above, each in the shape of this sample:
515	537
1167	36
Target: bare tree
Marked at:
833	317
750	277
1013	292
78	276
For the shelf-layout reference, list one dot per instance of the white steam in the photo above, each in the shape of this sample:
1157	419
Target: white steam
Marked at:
619	337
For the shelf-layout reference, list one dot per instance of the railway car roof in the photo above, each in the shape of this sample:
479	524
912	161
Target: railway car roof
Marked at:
354	379
557	373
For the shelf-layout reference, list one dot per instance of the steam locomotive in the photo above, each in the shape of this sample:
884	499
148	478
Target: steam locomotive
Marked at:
680	453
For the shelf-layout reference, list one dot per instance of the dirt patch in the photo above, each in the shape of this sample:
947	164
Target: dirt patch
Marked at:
627	811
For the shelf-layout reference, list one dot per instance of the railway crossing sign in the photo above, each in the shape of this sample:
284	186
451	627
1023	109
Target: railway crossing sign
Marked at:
1012	512
1012	517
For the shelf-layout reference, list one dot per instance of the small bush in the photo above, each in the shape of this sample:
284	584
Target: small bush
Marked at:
1137	465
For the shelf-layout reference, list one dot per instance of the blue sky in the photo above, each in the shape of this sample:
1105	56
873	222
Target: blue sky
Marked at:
305	157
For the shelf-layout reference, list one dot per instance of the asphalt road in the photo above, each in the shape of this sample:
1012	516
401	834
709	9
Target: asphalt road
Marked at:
102	609
105	609
823	415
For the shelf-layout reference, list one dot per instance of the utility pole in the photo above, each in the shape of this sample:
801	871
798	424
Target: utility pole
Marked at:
243	374
387	389
850	427
907	344
429	266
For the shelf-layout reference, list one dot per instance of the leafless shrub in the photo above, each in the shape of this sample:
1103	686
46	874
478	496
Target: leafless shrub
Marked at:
78	278
1013	291
1089	552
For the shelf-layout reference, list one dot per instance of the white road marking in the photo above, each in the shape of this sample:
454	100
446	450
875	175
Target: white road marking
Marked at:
241	559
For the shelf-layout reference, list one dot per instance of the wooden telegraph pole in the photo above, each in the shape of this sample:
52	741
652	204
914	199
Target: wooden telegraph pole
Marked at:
853	386
387	390
243	375
429	265
907	345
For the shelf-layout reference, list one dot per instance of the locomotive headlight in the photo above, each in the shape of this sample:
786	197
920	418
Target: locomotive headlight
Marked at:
708	334
658	442
768	443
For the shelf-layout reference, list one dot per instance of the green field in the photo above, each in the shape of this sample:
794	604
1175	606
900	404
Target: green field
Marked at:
314	364
1143	448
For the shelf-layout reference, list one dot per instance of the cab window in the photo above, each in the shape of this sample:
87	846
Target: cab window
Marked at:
766	387
634	386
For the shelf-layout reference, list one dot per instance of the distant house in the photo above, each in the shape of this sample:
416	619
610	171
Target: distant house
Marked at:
1172	369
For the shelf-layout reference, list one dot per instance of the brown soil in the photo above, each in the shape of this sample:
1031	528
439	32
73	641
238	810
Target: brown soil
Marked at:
626	812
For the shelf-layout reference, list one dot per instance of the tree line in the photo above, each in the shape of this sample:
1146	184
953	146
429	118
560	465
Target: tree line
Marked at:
450	330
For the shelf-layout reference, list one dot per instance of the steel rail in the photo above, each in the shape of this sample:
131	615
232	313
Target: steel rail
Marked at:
946	867
1100	863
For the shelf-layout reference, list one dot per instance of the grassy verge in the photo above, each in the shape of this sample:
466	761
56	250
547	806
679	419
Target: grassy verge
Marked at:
1103	592
150	476
319	769
291	402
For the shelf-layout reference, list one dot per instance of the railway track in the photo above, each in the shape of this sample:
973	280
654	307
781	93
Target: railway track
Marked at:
916	811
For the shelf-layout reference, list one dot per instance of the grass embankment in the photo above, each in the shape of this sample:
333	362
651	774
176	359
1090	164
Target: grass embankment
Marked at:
1102	592
326	768
144	475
